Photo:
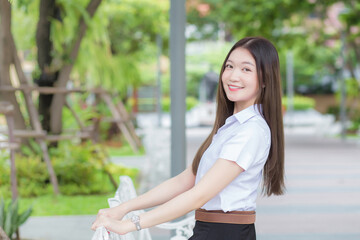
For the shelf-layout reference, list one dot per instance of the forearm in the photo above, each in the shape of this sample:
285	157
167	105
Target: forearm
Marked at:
172	209
216	179
162	193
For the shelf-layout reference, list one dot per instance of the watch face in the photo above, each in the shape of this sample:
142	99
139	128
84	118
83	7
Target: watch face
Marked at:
136	220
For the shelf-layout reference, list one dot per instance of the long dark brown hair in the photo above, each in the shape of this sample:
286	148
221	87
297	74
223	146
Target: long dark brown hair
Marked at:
269	96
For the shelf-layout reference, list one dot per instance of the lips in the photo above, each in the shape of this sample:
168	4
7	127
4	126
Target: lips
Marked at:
234	88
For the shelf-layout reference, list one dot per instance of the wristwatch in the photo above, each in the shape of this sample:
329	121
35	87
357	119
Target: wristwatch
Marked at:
136	220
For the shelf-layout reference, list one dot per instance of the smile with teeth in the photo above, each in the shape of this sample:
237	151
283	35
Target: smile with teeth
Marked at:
234	88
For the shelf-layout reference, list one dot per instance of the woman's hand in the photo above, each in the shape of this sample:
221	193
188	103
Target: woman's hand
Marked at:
102	221
113	225
107	222
115	213
108	215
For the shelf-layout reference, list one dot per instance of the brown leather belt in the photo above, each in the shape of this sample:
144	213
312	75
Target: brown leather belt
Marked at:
234	217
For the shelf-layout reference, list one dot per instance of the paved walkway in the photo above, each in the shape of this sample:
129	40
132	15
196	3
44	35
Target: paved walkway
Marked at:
322	199
323	193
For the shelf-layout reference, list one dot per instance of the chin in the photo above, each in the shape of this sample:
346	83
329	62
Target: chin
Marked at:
232	99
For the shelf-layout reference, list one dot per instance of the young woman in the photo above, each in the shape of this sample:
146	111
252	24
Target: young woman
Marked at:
246	145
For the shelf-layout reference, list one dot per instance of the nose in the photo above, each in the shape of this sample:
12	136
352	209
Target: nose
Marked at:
235	75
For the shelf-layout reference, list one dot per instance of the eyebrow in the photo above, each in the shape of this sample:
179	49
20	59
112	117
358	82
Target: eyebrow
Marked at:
245	62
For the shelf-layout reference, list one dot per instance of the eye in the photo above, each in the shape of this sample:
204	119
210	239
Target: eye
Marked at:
228	65
245	69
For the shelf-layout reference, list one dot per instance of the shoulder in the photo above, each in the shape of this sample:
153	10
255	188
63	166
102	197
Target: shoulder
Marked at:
248	143
250	120
254	127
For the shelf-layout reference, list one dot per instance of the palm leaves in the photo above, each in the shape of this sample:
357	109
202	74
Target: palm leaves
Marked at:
10	218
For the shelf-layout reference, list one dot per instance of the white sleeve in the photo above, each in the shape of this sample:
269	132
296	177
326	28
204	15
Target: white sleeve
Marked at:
244	146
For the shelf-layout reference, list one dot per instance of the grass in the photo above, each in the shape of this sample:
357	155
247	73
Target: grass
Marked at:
50	205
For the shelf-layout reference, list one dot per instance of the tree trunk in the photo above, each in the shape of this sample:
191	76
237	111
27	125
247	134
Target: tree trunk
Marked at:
44	45
5	61
64	74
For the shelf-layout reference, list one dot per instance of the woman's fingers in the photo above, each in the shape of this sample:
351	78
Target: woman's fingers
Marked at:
99	221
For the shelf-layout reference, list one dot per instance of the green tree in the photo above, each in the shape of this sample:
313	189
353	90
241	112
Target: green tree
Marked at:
107	48
122	45
304	27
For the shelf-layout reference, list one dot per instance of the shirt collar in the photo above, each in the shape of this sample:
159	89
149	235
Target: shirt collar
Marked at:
248	113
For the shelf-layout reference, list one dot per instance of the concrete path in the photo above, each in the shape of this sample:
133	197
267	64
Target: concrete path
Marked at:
322	199
323	193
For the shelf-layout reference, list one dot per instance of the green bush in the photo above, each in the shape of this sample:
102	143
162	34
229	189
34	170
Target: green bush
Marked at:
32	176
355	121
190	103
193	80
80	169
84	112
4	169
300	102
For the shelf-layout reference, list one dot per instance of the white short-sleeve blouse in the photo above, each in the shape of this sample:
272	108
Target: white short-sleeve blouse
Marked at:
245	139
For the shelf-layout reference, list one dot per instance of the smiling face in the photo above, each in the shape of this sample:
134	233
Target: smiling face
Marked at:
240	80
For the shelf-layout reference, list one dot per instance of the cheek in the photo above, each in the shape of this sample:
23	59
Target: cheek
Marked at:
255	82
223	79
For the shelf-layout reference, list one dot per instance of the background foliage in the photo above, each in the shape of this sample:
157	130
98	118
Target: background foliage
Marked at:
117	43
119	53
310	29
80	169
